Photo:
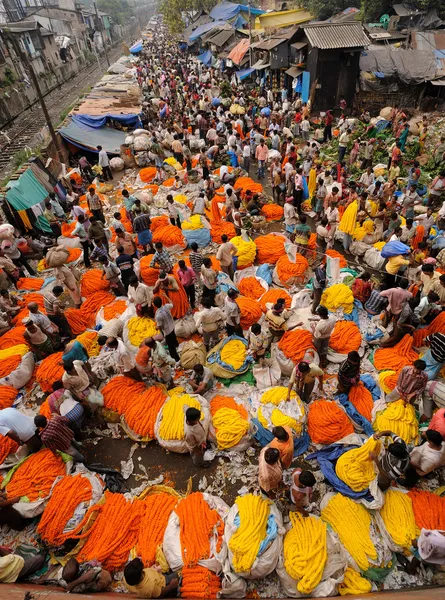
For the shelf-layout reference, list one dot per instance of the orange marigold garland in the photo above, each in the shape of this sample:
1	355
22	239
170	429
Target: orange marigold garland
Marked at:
158	508
251	288
7	396
270	248
250	311
295	343
115	309
49	371
271	297
345	338
13	337
327	422
361	398
7	447
335	254
429	510
93	304
199	582
290	273
30	283
394	359
76	320
67	494
35	476
273	212
92	281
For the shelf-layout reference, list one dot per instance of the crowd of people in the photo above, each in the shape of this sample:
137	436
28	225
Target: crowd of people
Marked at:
345	199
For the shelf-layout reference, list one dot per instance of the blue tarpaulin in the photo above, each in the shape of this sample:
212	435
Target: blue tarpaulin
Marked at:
263	436
132	121
244	73
137	47
305	86
25	192
199	31
394	249
353	414
206	58
88	138
229	10
371	385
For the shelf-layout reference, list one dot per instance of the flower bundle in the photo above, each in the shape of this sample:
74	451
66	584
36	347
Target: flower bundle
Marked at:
35	476
68	228
139	329
7	447
75	320
246	541
199	582
7	396
234	354
198	525
401	355
115	309
157	222
67	494
437	325
193	223
30	283
289	272
10	358
172	424
338	296
169	235
250	311
247	184
295	343
13	337
125	220
400	418
149	275
276	395
49	371
93	304
273	212
279	419
305	552
356	467
398	516
246	251
271	297
230	421
158	508
429	509
147	174
327	422
335	254
388	380
345	338
270	248
89	342
177	298
168	182
219	228
251	288
349	219
45	410
92	281
354	584
361	398
352	522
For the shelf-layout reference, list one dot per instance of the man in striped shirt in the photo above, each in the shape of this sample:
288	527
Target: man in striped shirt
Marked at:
195	258
57	436
435	357
394	461
54	310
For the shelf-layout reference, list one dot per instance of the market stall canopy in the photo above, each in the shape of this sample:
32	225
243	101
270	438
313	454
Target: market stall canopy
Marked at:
199	31
88	138
238	53
294	71
229	10
137	47
409	66
260	65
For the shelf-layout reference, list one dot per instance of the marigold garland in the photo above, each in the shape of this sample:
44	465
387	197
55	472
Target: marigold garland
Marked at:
388	380
68	228
270	248
273	212
92	281
13	337
7	396
234	353
305	552
7	447
361	398
338	296
250	311
177	298
30	283
245	542
75	320
49	371
289	272
89	342
10	358
169	235
246	251
66	496
158	508
198	524
352	523
400	418
247	184
35	476
401	355
271	297
199	582
356	468
149	275
115	309
429	509
230	421
295	343
327	422
335	254
93	304
45	410
345	338
172	423
147	174
251	288
276	395
139	329
437	325
354	584
398	516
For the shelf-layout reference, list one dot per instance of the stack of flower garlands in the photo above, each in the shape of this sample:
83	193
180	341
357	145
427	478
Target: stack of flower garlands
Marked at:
345	338
7	447
139	329
354	584
338	296
135	402
429	509
246	251
199	582
7	396
351	521
392	360
294	344
271	297
327	422
305	551
34	477
273	212
276	411
13	337
246	184
398	517
251	288
400	418
194	230
23	302
437	325
177	298
115	309
10	358
334	254
92	281
356	467
158	508
68	493
250	311
361	398
270	248
30	283
170	236
230	421
289	273
253	513
171	418
85	316
147	174
218	225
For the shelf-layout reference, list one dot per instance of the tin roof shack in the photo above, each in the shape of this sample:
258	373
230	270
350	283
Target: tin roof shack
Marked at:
333	61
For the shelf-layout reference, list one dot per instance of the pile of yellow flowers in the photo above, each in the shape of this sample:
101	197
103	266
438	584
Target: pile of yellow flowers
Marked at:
351	521
400	418
192	223
140	328
354	584
276	395
246	251
336	296
172	423
278	418
174	163
305	552
356	468
229	420
398	515
234	354
383	376
181	198
19	350
89	342
245	542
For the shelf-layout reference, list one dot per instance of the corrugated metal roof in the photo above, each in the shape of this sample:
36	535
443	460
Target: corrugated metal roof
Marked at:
268	44
221	37
328	36
294	71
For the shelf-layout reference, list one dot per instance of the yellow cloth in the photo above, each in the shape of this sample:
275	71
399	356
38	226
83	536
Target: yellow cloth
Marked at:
19	350
356	468
312	184
336	296
394	263
193	223
246	251
10	567
150	586
234	354
349	219
25	219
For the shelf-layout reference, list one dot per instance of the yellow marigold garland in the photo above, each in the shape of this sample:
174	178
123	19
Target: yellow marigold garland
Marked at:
140	328
234	354
229	420
400	418
356	468
172	424
245	542
398	515
89	342
279	419
276	395
353	583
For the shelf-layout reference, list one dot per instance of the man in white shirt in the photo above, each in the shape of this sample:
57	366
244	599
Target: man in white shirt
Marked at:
20	428
233	314
367	178
425	458
209	319
322	331
141	296
225	255
343	145
305	128
105	164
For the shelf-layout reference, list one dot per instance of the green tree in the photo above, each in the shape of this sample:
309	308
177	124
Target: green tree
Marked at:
119	10
173	11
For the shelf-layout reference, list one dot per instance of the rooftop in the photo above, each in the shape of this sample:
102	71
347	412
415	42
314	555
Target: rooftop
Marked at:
329	36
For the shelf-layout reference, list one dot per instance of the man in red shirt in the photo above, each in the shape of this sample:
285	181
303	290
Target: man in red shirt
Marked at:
328	120
438	422
261	154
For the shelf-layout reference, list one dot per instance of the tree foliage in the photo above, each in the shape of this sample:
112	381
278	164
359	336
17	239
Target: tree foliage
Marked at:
370	10
119	10
174	11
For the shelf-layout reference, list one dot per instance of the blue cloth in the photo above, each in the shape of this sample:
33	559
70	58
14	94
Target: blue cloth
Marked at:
432	366
225	283
199	31
305	85
353	414
353	316
265	272
216	101
305	189
137	47
145	237
96	122
271	532
394	249
327	459
200	236
244	73
371	385
263	436
228	10
215	357
371	337
206	58
233	158
265	112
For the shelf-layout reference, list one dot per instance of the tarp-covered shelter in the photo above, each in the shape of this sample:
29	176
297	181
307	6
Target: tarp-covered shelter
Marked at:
88	138
228	10
410	67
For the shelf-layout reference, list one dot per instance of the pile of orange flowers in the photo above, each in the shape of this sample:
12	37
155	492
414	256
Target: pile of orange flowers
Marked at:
346	337
401	355
251	288
290	273
149	275
335	254
30	283
158	508
75	320
273	212
157	222
115	309
49	371
35	476
429	510
219	226
7	447
271	297
148	174
68	228
67	494
92	281
245	184
295	343
45	410
169	235
7	396
125	220
93	304
178	299
74	254
13	337
168	182
250	311
270	248
436	325
199	582
198	523
361	398
9	364
327	422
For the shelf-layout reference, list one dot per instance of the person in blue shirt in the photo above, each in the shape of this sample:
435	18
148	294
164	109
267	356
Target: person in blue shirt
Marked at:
233	158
